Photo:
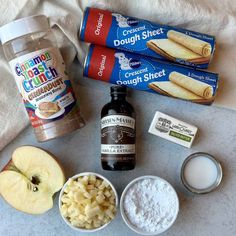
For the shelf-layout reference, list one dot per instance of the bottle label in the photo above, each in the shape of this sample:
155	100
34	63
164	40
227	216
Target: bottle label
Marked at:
117	135
44	85
117	149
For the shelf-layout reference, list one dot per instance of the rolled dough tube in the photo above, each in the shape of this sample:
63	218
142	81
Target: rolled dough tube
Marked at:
173	49
199	88
176	90
196	45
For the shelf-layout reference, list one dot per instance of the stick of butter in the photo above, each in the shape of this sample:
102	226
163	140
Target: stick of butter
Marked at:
172	129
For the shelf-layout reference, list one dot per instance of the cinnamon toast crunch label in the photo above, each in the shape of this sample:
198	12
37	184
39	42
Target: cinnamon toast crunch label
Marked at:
44	86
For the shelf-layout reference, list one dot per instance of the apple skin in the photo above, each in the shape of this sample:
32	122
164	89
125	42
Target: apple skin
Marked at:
17	184
8	165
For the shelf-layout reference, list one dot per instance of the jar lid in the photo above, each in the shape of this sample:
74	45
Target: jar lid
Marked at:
201	173
23	26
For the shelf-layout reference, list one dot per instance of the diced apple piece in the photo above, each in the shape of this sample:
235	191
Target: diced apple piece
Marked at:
100	198
107	193
93	211
92	179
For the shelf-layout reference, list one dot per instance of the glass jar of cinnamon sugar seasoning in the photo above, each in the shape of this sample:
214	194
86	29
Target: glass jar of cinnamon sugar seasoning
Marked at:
39	71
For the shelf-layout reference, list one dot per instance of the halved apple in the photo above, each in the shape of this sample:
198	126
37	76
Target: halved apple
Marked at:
30	179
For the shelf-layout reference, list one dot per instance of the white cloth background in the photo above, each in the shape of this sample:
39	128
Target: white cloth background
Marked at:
214	17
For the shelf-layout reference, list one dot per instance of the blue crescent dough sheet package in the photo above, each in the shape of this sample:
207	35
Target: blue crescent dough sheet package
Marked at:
144	73
163	42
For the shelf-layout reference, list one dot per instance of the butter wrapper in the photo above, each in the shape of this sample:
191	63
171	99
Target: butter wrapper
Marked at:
172	129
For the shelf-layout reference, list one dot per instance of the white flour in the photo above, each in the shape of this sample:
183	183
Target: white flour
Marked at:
151	205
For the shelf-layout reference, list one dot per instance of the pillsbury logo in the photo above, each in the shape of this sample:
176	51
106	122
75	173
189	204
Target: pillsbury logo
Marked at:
124	22
132	22
126	63
134	63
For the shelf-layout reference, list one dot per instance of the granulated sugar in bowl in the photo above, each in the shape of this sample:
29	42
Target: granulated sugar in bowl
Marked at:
149	205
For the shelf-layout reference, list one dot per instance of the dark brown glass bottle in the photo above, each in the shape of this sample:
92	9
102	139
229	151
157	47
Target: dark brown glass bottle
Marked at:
118	132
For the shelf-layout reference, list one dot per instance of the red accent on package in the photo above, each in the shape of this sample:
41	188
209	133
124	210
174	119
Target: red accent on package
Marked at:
99	27
103	64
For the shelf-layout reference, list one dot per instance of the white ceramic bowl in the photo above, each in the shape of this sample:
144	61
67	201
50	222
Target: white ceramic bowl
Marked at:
124	216
62	191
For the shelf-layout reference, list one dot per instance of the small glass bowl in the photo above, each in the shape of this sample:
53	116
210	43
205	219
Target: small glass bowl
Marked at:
125	218
205	190
60	202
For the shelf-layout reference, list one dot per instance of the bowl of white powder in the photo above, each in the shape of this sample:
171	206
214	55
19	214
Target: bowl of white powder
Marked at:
149	205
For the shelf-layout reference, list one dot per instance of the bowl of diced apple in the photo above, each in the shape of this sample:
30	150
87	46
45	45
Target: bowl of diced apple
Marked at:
88	202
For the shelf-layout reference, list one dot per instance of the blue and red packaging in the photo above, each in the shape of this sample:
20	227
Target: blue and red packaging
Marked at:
114	30
151	75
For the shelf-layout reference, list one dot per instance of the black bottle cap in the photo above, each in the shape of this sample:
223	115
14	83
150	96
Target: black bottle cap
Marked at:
118	90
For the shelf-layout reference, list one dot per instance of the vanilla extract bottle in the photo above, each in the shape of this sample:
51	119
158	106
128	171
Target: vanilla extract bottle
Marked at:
118	132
